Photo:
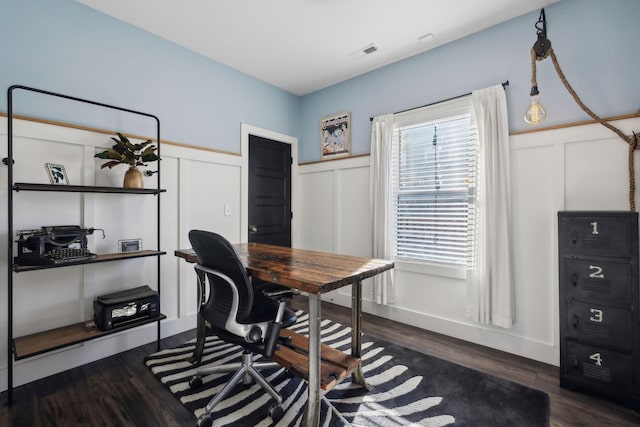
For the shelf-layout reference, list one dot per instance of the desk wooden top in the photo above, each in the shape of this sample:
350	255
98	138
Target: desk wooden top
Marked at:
304	270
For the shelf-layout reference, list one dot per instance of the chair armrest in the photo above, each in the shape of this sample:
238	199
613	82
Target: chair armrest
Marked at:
273	332
271	340
280	294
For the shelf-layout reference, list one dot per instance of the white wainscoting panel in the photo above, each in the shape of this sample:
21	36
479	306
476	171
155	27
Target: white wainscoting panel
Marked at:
317	212
596	174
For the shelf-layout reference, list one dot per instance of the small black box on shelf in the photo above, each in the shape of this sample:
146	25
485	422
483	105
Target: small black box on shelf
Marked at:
131	305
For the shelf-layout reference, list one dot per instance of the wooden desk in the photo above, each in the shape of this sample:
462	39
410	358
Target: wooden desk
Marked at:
314	273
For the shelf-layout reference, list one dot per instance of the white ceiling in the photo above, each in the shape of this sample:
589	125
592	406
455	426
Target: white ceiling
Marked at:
304	45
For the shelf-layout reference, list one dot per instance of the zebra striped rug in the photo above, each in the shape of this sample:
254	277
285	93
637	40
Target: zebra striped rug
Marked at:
408	389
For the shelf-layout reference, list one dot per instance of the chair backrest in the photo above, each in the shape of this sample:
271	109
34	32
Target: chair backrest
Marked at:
215	252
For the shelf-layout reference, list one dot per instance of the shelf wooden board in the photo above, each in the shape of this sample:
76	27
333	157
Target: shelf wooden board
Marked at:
42	342
335	365
25	186
100	258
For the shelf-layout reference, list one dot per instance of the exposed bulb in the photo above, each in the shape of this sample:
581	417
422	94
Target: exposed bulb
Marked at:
535	113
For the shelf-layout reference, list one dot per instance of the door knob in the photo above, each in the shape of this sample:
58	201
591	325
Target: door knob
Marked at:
253	229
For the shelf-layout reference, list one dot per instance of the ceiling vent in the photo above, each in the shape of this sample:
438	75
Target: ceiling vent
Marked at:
370	50
426	38
367	50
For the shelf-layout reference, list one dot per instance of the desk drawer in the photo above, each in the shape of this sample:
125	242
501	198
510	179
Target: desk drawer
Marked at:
597	369
612	234
605	281
599	325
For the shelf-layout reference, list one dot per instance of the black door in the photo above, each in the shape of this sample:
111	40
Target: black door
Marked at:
269	191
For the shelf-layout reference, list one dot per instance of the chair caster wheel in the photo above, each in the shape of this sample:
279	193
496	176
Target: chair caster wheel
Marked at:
276	412
205	420
195	383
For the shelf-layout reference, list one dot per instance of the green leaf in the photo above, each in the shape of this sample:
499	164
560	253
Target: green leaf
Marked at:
123	138
150	158
110	164
148	150
120	147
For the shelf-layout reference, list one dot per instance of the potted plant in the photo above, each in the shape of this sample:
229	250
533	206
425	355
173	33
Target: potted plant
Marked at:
125	152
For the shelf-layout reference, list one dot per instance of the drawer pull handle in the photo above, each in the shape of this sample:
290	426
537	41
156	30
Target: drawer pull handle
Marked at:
574	279
575	321
574	237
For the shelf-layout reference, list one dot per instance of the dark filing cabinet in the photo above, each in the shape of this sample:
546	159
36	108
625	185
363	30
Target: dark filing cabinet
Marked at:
599	316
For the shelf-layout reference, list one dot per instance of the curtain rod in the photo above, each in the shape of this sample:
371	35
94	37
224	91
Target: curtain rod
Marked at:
504	84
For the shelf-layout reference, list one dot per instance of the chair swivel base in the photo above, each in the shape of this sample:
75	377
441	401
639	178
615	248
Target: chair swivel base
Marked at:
245	371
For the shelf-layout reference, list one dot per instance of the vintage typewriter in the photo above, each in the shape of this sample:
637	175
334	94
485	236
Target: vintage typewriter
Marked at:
53	245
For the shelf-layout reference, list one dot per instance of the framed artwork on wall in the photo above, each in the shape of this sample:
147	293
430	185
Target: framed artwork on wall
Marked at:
335	136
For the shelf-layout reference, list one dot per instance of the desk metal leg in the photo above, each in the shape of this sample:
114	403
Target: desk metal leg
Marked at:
312	413
356	332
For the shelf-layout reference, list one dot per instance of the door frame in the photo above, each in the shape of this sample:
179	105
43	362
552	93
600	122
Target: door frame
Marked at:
245	131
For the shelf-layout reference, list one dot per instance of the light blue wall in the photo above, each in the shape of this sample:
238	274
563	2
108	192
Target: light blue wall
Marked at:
596	42
63	46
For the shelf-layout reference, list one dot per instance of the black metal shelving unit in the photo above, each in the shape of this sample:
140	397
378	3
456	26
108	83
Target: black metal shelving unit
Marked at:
46	341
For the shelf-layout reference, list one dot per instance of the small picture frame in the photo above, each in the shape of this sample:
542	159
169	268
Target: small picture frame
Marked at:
129	245
57	174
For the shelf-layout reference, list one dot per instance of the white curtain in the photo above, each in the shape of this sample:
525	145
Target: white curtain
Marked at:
381	203
489	277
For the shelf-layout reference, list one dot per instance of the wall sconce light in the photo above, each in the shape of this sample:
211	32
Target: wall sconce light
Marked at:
536	114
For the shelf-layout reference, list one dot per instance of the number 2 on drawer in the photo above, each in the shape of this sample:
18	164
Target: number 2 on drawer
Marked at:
596	272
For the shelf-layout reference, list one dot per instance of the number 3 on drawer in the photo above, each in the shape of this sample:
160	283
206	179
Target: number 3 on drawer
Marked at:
596	315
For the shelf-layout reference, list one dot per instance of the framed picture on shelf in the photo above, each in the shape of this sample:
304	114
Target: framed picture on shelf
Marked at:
129	245
57	174
335	136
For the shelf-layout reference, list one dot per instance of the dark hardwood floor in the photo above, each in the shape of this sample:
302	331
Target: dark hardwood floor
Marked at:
121	391
566	408
115	391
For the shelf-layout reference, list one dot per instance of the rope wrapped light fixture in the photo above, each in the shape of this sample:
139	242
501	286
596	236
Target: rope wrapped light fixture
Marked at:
536	114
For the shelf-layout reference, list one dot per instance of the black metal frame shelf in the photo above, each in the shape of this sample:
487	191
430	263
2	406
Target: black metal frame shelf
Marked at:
55	339
98	259
25	186
49	340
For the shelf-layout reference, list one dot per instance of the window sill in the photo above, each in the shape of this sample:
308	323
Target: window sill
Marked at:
454	272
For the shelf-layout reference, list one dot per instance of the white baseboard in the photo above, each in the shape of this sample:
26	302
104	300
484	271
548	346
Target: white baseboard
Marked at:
503	341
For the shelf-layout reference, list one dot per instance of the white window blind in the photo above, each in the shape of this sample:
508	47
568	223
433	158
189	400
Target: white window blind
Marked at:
433	182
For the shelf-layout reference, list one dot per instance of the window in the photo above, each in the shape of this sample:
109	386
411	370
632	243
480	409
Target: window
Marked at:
433	177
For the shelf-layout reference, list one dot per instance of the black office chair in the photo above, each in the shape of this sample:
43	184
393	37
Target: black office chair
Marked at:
236	313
